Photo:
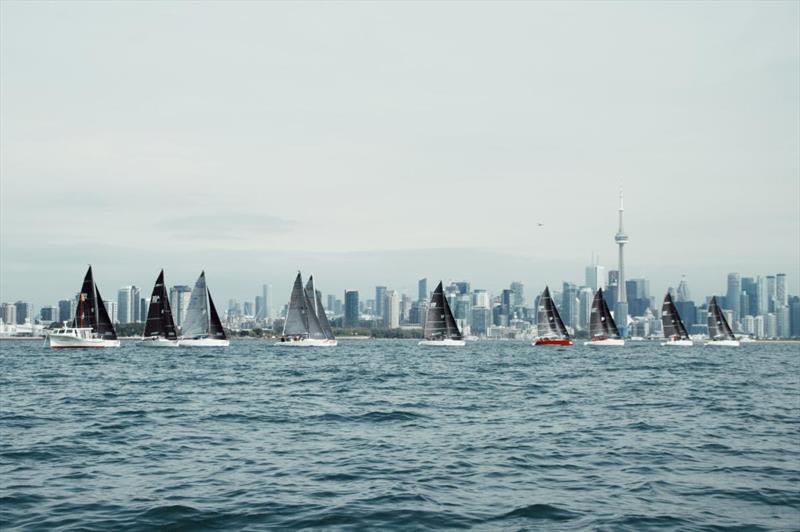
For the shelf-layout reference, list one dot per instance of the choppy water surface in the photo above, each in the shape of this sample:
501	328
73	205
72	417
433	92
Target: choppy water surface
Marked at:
388	435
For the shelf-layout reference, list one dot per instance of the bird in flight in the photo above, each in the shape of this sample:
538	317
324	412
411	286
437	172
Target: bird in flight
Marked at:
540	224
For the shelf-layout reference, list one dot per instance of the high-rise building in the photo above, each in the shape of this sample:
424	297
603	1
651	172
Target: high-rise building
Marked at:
762	299
569	294
127	304
481	320
380	295
732	299
772	289
391	309
462	287
794	316
758	326
24	312
585	298
261	313
781	296
422	288
770	325
621	314
144	303
519	294
9	313
682	294
595	276
351	309
65	310
750	292
48	314
784	324
179	296
247	308
266	295
480	298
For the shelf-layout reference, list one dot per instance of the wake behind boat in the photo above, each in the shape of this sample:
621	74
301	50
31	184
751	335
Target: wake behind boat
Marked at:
441	329
202	327
550	327
159	330
306	324
719	332
601	324
91	326
674	331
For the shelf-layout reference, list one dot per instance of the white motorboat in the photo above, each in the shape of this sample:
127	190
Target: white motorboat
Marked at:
76	337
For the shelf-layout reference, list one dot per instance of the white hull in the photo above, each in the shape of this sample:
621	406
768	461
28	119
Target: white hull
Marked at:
610	342
724	343
157	341
203	342
57	341
443	343
678	343
309	342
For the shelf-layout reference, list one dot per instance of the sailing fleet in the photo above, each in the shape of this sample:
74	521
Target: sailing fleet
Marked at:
307	325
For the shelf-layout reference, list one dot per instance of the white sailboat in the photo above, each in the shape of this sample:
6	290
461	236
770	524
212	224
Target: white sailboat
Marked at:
719	332
441	329
159	330
305	317
202	326
674	331
601	324
91	326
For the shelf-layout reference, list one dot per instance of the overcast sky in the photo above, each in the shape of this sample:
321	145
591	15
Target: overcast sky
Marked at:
377	143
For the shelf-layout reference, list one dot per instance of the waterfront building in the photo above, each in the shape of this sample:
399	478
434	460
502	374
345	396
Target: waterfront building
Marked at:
771	325
481	320
758	326
783	326
351	308
391	309
112	309
179	296
9	313
748	325
24	312
128	305
732	297
794	316
48	314
762	299
65	310
772	289
380	296
422	289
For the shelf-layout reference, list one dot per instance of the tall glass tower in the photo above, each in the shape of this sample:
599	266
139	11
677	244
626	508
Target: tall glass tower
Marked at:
621	310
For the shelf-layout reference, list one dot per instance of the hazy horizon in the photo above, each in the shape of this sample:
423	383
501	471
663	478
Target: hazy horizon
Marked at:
377	143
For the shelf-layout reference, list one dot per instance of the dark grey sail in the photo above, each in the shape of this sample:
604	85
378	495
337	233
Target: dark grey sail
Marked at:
671	320
159	315
296	323
215	328
439	322
86	311
549	323
718	328
196	323
315	296
105	329
601	323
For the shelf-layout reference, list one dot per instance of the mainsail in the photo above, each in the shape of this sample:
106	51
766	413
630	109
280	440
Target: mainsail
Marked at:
315	296
439	322
601	323
86	311
159	315
549	323
718	328
196	323
215	328
671	320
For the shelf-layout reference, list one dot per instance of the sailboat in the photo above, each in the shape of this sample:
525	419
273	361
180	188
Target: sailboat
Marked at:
674	330
719	332
159	330
441	329
202	326
601	324
315	296
550	327
91	326
302	327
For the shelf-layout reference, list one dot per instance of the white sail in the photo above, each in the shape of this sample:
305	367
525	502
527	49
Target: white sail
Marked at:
196	323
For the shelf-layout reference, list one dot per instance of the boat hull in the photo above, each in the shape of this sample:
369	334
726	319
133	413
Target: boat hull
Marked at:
308	342
607	342
157	341
678	343
58	341
723	343
553	341
203	342
443	343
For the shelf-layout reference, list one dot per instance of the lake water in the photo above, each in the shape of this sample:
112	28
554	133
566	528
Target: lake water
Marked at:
388	435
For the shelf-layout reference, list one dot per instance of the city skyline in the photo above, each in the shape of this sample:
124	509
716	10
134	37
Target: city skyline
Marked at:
510	122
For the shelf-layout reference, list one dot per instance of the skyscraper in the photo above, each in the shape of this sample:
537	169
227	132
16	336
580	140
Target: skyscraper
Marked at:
351	311
24	312
422	287
781	297
762	299
621	313
65	312
595	275
569	293
391	309
380	294
732	299
125	304
519	293
682	294
772	289
179	302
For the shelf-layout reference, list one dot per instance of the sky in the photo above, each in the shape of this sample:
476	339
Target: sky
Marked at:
378	143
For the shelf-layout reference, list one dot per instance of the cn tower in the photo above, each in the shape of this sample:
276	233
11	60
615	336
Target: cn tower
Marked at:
621	310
